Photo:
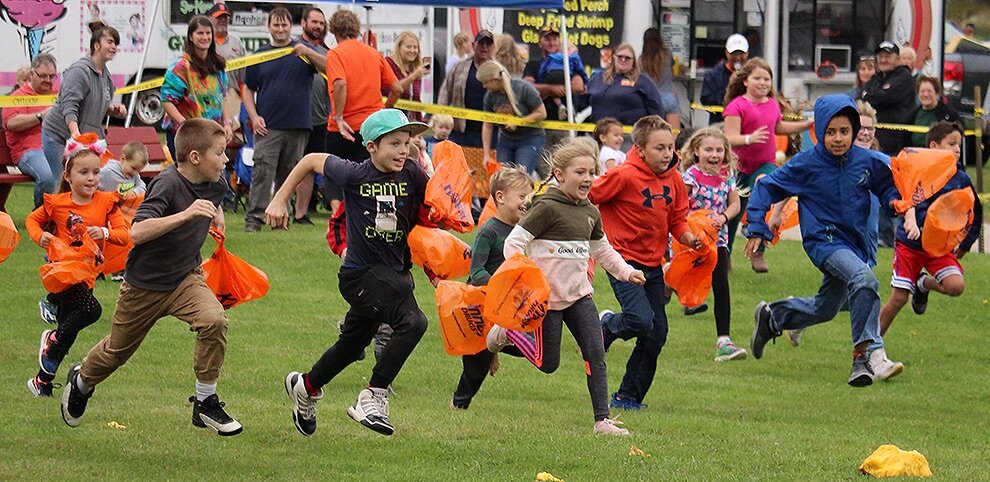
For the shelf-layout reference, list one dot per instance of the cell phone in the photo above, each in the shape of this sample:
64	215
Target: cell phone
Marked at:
426	62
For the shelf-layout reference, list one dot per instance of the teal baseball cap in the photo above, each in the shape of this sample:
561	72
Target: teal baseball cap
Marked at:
387	121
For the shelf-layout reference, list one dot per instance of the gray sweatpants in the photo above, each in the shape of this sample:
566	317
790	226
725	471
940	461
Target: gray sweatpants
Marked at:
275	155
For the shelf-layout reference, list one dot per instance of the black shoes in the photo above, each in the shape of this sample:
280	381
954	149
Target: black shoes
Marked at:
73	399
762	332
209	413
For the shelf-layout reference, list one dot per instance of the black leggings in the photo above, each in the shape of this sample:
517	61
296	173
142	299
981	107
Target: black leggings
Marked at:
474	372
720	291
77	309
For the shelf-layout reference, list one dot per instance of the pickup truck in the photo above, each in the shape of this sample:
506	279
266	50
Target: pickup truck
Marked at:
967	65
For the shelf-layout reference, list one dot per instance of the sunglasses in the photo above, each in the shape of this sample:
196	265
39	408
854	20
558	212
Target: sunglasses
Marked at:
867	57
624	58
45	76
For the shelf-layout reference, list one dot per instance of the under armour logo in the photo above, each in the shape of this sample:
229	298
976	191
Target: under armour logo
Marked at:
650	197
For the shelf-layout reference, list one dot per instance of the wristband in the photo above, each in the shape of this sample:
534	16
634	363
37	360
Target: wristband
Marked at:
106	233
747	139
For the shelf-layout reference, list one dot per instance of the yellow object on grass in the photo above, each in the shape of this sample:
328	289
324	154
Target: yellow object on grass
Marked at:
890	461
547	477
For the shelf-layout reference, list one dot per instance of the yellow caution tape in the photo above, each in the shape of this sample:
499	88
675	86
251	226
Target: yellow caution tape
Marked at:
233	64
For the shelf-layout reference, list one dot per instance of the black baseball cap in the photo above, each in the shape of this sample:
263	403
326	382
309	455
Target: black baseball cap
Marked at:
484	35
888	46
547	30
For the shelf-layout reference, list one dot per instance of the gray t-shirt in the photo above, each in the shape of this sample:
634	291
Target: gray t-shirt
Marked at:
230	49
320	97
162	263
112	178
527	100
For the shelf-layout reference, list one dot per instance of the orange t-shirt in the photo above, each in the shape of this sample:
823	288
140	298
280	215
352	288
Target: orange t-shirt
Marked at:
366	73
64	213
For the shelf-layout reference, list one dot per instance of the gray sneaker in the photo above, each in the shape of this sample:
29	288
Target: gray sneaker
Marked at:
861	374
794	336
303	404
762	331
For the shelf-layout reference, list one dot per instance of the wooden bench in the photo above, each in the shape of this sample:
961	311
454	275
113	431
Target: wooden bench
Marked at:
116	138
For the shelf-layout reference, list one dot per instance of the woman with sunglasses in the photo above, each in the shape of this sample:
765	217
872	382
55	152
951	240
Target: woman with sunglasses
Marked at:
866	66
622	91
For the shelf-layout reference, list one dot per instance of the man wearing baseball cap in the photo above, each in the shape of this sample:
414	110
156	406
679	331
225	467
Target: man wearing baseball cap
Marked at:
717	78
461	88
547	75
382	202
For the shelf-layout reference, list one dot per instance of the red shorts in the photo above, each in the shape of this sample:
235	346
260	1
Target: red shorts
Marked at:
908	263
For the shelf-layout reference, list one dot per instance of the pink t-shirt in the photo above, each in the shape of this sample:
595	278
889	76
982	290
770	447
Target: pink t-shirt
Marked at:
754	116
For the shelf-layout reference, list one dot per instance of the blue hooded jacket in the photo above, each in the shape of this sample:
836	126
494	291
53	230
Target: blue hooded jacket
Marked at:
833	191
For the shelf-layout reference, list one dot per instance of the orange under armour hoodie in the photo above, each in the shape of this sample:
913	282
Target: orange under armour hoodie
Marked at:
640	208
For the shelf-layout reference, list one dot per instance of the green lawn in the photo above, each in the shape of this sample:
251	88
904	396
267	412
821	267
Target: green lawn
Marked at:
790	416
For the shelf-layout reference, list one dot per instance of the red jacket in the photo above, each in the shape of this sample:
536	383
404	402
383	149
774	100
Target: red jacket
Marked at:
639	208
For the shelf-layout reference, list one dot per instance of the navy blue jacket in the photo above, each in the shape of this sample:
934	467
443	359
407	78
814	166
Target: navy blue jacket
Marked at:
833	192
713	88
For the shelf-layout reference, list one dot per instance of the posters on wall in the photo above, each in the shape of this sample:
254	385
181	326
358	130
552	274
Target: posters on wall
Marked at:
591	26
127	16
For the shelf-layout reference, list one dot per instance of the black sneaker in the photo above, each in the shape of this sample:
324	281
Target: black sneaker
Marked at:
303	220
861	374
762	331
252	227
73	399
694	310
919	300
303	404
210	413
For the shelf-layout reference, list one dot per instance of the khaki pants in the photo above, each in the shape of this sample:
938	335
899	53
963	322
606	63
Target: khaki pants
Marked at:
138	310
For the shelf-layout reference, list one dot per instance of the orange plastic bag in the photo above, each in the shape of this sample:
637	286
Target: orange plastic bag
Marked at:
9	237
232	279
919	174
71	264
948	221
439	252
448	192
116	256
690	270
517	295
788	219
462	325
487	212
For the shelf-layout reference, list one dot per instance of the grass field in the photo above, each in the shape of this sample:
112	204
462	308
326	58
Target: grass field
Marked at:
789	416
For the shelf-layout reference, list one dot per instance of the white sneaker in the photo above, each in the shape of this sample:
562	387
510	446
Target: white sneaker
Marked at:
371	410
883	368
498	338
303	404
794	336
610	427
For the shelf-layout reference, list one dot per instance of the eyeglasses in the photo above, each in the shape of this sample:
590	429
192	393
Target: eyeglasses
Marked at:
867	57
624	58
45	76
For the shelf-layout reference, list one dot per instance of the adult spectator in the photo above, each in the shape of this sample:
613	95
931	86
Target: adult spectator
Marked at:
279	114
521	146
623	91
461	88
196	84
22	127
932	110
507	54
717	78
866	66
891	93
547	75
409	68
85	97
314	34
356	76
658	64
229	46
463	49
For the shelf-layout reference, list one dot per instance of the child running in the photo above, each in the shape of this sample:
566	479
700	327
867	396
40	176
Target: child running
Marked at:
833	183
124	176
708	163
916	273
752	118
383	200
78	210
163	277
510	191
559	233
641	201
608	134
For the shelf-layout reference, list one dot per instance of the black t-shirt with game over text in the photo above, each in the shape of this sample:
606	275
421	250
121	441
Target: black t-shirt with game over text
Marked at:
381	209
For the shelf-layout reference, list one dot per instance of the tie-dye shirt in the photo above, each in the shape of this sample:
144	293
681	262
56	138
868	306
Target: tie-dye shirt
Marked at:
709	192
192	93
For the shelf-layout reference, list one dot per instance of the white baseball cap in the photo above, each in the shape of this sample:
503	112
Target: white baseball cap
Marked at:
736	42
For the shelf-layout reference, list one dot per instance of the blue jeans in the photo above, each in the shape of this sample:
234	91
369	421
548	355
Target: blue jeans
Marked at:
523	152
53	149
644	318
846	278
34	163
